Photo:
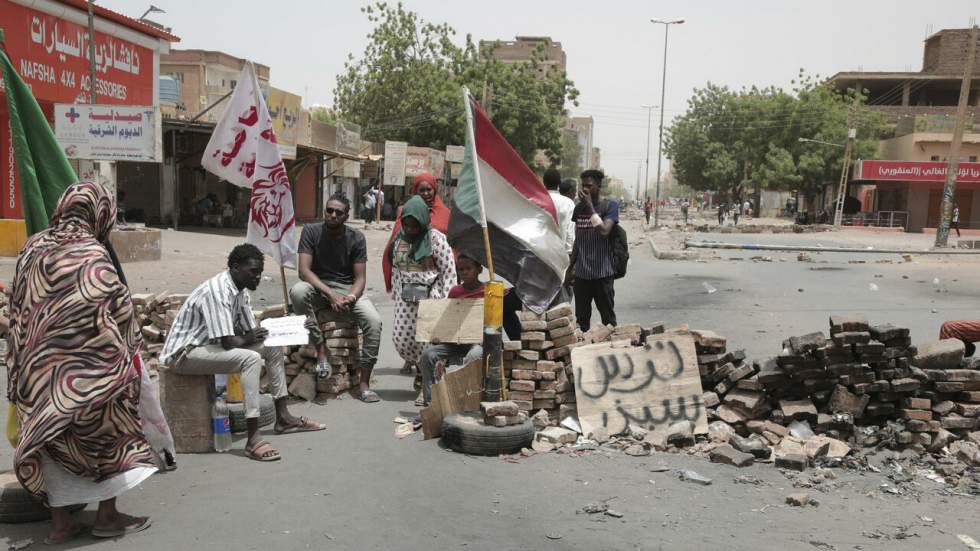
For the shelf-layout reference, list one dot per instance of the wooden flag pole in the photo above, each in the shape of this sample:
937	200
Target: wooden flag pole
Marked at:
285	292
493	302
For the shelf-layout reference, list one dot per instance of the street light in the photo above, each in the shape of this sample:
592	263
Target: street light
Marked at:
646	174
151	9
821	142
663	93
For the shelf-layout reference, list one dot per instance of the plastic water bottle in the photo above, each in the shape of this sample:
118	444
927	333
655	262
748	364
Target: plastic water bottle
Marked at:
221	425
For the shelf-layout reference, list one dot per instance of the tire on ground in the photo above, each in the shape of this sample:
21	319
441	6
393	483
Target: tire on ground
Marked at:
466	433
267	413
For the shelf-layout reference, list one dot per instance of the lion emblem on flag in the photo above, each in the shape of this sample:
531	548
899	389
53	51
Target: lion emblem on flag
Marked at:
270	198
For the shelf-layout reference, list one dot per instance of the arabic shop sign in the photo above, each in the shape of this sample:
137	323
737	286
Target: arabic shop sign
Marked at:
284	109
108	132
52	56
914	171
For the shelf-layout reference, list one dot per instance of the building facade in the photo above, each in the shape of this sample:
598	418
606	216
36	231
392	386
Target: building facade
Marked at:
921	106
523	49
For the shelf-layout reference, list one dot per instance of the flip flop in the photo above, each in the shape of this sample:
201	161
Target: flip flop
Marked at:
258	452
125	530
369	397
76	531
305	425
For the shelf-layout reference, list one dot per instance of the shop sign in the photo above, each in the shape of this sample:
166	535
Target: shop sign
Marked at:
284	109
396	154
52	56
914	171
108	132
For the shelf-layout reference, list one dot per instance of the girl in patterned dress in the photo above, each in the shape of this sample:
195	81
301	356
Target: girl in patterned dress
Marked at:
422	267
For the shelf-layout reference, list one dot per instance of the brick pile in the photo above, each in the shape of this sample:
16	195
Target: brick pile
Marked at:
861	376
538	368
156	314
343	342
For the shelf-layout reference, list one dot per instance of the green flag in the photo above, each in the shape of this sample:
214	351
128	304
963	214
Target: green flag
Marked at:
43	168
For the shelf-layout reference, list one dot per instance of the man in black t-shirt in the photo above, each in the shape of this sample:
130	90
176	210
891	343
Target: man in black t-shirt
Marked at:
332	266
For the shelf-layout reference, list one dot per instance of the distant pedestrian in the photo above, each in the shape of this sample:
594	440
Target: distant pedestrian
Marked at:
567	188
647	208
595	272
955	222
684	208
721	214
747	208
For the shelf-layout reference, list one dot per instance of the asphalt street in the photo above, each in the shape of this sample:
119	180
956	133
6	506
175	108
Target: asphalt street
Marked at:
356	486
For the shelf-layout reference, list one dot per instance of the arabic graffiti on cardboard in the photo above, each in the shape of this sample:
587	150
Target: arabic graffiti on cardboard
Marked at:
650	386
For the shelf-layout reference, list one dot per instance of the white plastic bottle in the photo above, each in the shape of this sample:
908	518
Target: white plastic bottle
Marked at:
221	425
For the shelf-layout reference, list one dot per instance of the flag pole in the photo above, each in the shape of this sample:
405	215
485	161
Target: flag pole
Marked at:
467	98
494	388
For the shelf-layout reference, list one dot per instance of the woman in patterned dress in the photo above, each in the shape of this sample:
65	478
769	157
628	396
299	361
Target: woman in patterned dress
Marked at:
425	186
70	369
422	266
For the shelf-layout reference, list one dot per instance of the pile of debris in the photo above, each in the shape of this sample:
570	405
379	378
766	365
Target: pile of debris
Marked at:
865	386
538	371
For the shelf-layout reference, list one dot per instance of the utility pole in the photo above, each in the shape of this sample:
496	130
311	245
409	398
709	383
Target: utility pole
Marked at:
91	51
646	176
949	189
848	148
663	95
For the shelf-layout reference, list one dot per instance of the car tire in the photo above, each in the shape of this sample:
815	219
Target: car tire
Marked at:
17	505
466	433
267	413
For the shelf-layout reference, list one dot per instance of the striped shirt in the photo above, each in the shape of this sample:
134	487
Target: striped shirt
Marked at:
215	309
593	252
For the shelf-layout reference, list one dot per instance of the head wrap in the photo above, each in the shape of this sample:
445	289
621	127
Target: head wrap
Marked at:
422	243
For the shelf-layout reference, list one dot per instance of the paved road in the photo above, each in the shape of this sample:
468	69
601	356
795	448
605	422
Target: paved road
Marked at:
355	486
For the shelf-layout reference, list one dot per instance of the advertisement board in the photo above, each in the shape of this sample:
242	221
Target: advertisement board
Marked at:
284	109
914	171
396	154
348	137
108	132
51	54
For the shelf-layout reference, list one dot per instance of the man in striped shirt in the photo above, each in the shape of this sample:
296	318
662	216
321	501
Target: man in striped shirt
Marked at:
215	332
592	257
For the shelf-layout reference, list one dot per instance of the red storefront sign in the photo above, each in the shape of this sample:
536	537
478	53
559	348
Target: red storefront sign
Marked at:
914	171
52	56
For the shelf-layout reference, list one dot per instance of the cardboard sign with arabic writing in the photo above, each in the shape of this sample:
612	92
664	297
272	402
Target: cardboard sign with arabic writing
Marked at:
650	386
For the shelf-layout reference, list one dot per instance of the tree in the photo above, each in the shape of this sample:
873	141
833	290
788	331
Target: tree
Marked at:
570	165
735	141
406	86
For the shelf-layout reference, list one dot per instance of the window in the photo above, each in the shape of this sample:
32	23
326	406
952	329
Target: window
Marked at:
934	158
233	84
973	159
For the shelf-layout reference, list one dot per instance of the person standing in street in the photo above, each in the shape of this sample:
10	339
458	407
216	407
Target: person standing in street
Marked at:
71	375
721	214
685	206
955	222
647	209
592	258
565	208
333	270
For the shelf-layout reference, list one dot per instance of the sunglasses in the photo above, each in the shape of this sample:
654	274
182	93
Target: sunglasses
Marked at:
338	212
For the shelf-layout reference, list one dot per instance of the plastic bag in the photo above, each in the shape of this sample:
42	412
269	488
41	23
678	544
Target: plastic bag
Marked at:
13	425
155	426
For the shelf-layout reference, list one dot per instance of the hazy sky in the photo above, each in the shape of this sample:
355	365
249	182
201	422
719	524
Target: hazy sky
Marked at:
614	53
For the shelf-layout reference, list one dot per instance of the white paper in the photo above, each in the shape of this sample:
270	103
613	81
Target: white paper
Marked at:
286	331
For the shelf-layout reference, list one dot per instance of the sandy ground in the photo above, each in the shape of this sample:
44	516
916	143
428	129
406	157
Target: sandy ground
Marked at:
355	486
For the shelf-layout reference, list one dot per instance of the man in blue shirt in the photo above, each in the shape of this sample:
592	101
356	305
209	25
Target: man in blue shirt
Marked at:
592	257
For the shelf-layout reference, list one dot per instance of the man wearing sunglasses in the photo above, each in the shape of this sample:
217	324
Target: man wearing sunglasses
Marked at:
332	266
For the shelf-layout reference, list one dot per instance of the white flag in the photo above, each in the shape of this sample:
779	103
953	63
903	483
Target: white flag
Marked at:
243	151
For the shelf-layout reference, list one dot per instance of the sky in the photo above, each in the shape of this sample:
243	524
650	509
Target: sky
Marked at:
614	53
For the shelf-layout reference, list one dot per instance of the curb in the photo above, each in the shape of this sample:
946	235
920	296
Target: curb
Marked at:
671	255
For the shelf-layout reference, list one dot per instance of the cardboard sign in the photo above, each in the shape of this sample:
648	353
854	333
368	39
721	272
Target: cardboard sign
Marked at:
458	391
450	320
650	386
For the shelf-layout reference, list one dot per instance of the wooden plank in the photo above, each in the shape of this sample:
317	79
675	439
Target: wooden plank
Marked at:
450	320
651	386
460	390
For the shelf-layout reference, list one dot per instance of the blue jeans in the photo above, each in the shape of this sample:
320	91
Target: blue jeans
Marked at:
455	356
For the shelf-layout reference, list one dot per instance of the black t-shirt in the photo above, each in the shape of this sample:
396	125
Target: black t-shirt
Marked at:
333	259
